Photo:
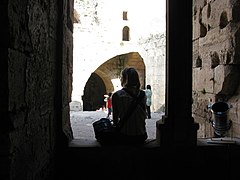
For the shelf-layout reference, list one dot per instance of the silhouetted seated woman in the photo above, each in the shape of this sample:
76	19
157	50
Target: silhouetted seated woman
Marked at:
132	130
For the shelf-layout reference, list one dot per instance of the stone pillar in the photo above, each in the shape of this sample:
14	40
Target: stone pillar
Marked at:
178	127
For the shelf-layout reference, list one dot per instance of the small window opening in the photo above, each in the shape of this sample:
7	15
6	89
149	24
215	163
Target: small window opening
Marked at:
125	34
125	15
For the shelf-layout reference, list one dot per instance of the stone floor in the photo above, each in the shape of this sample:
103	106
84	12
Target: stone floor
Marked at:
81	123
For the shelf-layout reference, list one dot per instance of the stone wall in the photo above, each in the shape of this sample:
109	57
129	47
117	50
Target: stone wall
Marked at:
98	40
36	61
216	62
154	55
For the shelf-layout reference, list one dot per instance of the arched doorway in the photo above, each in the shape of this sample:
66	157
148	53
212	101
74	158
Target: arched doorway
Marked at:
94	91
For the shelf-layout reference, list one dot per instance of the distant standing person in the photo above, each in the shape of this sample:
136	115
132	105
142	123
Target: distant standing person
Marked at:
148	93
109	104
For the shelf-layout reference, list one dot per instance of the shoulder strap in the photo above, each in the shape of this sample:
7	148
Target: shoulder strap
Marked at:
131	108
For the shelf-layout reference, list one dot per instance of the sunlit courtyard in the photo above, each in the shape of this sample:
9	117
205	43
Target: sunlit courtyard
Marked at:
81	122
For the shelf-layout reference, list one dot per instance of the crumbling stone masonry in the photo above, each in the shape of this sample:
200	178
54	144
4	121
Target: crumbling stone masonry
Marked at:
216	61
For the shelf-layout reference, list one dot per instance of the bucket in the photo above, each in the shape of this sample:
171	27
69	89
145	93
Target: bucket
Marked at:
220	123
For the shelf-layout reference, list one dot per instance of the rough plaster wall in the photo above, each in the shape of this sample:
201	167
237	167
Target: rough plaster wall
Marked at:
216	61
30	134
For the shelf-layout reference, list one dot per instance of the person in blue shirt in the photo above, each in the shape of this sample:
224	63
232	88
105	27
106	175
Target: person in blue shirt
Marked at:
148	93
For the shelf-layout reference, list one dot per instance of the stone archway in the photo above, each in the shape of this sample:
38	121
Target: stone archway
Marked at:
110	70
108	75
105	79
93	93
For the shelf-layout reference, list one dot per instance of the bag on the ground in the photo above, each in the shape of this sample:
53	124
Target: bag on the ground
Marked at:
104	130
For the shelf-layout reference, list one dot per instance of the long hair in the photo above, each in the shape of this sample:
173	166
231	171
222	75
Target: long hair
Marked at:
130	78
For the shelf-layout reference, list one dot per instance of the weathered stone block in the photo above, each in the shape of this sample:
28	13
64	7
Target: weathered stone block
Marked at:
203	80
